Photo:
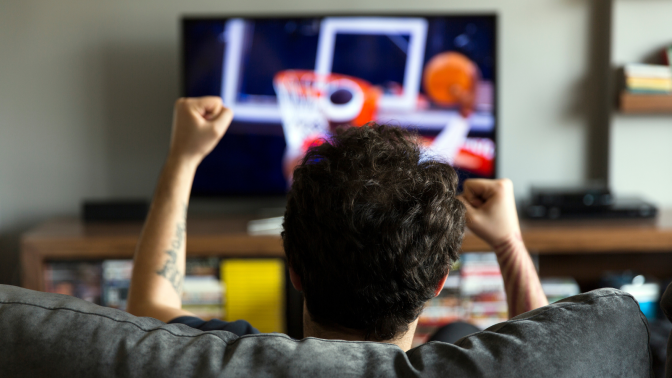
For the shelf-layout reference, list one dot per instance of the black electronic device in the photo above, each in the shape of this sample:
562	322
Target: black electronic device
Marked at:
115	210
581	198
622	208
587	202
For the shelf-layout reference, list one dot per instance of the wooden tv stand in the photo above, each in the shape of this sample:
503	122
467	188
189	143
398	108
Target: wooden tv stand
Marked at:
582	249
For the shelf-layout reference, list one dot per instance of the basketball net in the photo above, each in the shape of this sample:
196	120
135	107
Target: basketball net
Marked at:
299	94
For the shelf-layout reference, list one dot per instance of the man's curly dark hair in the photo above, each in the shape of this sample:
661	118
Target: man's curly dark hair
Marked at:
371	228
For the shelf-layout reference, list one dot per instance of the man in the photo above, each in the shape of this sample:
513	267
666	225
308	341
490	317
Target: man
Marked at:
371	228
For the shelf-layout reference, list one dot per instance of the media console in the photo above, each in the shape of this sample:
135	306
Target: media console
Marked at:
71	239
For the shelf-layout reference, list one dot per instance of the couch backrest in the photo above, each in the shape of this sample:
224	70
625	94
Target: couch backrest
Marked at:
666	305
597	334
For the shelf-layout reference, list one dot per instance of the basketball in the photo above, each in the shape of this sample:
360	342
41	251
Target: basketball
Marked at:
447	72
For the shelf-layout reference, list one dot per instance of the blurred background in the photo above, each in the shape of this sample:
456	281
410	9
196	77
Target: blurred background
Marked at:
87	88
86	92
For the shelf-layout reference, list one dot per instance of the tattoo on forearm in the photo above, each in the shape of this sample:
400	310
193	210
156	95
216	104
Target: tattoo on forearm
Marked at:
170	270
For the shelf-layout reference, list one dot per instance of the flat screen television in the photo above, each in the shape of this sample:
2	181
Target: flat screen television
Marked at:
292	80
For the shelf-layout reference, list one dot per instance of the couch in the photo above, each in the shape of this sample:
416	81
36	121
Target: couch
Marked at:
597	334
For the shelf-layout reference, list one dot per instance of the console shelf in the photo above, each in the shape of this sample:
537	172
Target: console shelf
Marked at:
598	240
645	103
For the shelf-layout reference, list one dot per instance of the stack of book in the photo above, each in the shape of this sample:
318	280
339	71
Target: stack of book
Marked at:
107	282
116	281
474	293
648	79
78	279
559	288
482	290
444	308
202	296
203	292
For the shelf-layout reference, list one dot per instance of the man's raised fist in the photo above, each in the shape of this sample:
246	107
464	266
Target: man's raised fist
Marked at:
491	209
198	125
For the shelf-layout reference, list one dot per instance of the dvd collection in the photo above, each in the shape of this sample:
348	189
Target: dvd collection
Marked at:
106	283
474	291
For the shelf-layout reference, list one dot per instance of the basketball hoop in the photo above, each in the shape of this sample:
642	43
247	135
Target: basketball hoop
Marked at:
309	102
298	93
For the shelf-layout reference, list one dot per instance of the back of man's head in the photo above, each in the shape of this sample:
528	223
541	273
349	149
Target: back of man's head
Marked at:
371	229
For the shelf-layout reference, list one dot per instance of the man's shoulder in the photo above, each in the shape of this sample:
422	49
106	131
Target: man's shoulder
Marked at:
238	327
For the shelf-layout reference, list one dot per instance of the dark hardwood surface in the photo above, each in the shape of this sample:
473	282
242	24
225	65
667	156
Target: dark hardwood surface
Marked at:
631	103
62	239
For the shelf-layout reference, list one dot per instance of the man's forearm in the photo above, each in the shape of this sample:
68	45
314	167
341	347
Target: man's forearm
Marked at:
521	281
159	262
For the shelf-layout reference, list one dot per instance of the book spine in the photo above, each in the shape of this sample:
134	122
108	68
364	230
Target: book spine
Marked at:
663	85
648	91
648	71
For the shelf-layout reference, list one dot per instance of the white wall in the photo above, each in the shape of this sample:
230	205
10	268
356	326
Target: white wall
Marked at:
86	89
641	157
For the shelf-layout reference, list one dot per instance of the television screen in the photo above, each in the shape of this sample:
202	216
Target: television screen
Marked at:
291	81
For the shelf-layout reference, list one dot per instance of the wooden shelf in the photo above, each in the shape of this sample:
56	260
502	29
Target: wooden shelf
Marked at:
631	103
69	239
